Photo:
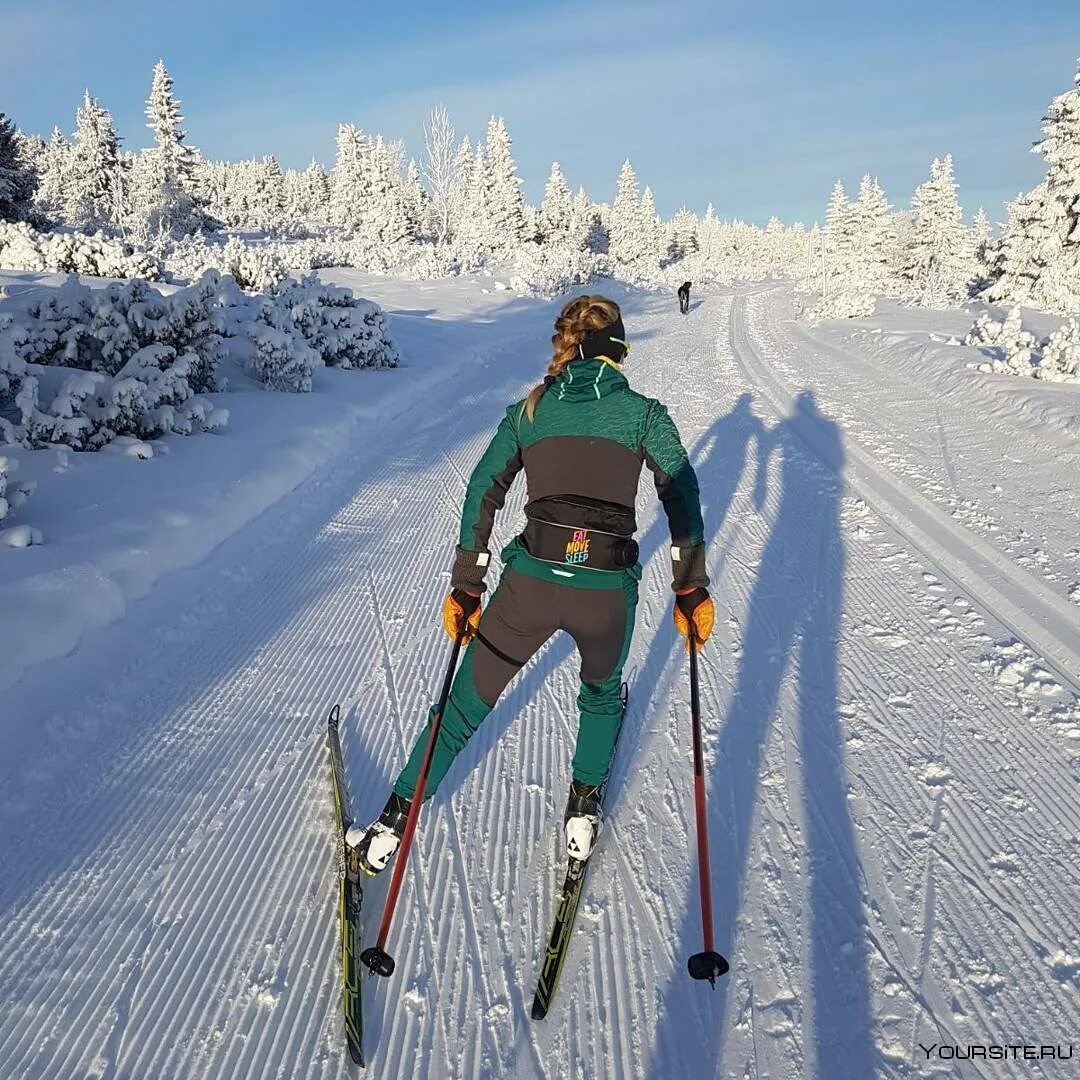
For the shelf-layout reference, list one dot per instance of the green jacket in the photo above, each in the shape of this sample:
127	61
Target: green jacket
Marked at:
590	437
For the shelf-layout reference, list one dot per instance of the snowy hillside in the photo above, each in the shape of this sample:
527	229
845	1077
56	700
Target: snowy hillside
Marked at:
890	699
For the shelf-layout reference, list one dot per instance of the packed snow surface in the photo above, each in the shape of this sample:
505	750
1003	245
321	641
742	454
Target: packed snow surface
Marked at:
890	710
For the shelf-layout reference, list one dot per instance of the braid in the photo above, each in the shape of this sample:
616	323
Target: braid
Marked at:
579	318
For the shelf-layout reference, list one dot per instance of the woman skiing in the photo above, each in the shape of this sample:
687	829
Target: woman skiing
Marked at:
581	436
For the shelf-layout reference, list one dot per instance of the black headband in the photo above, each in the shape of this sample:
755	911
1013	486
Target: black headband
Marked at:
600	343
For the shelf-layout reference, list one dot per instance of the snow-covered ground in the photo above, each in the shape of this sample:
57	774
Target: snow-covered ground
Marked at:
893	728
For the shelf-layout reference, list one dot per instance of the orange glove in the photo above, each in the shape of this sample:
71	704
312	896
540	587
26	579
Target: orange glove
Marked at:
694	606
461	614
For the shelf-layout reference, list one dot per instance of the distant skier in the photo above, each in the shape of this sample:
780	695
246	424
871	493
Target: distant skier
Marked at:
581	436
684	297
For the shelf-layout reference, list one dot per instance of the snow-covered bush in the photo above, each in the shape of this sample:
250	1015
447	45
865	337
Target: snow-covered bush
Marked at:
346	331
1016	351
255	266
546	271
102	329
848	303
279	358
1061	354
84	366
432	261
150	396
24	248
1004	339
12	493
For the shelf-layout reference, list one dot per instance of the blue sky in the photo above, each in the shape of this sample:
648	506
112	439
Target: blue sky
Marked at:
757	105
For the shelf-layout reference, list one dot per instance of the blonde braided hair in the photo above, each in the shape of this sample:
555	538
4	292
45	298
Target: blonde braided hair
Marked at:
578	319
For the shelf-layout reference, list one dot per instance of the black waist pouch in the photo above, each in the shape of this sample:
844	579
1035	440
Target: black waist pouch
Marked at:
578	531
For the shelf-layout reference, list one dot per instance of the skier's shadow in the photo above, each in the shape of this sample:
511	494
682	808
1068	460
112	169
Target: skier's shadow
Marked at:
793	615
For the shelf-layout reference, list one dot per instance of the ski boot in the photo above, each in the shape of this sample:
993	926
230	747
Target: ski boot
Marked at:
583	820
376	845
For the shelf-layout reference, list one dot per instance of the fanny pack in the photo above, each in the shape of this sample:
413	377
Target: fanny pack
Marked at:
578	531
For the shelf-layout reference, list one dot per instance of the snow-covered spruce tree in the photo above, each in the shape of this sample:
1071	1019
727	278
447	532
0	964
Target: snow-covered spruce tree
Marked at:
382	228
839	238
587	229
17	179
682	240
415	203
504	203
457	194
709	243
295	194
472	239
317	193
873	254
90	189
654	230
939	262
350	180
984	248
554	217
772	256
1039	259
630	233
52	175
164	118
263	194
171	164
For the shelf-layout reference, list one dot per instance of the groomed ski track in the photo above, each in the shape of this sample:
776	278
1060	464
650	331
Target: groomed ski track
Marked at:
891	731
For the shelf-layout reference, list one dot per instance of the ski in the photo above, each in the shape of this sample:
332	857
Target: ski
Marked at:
350	897
563	924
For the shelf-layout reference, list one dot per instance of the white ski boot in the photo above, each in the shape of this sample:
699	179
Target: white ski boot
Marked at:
583	819
376	845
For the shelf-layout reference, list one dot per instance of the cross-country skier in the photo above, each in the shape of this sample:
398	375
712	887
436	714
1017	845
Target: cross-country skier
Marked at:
581	436
684	297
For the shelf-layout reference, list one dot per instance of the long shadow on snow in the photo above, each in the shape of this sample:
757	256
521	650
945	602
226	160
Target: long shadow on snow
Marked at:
794	614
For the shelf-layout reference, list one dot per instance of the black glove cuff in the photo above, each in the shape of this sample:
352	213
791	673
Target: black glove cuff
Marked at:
469	571
689	602
688	567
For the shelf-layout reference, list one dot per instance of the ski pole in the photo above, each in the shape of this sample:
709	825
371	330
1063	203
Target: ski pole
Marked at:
707	964
377	958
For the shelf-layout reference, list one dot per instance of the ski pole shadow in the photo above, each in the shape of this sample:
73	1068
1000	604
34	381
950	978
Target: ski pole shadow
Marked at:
792	621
